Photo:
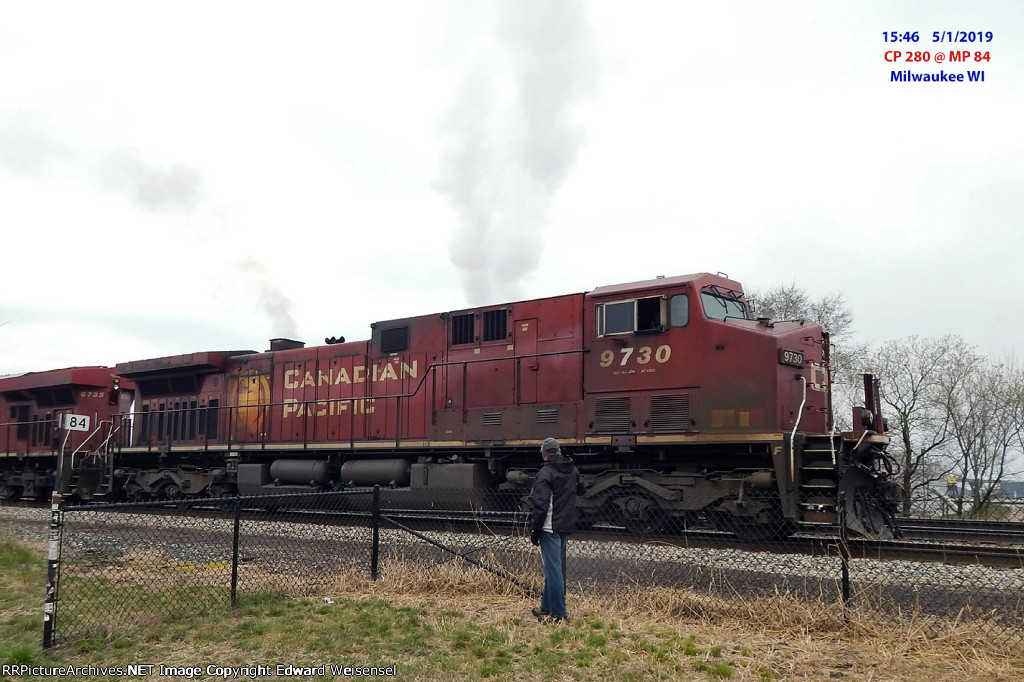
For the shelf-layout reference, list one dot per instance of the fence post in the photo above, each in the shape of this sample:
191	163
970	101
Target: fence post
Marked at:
375	525
844	555
52	571
234	550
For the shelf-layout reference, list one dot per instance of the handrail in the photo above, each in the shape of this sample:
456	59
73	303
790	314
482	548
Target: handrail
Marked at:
796	425
431	369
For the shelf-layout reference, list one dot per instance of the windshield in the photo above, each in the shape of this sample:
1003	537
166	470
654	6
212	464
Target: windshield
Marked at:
719	307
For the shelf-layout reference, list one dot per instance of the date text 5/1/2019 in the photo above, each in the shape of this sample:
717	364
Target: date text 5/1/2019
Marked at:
939	36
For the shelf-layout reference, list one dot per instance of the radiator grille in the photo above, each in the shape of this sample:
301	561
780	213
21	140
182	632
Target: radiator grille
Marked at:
670	413
611	415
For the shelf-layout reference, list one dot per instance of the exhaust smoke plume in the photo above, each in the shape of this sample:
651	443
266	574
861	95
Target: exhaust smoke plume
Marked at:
510	139
272	300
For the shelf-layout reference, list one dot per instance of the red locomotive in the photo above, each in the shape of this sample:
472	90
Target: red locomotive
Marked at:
676	405
74	412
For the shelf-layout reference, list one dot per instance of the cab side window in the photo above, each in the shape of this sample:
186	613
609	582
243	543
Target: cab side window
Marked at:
679	310
635	316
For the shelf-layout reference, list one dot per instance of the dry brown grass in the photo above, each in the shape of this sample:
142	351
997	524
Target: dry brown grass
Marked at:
779	639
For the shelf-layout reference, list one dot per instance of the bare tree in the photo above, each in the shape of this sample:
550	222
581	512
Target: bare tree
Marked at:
791	302
983	402
912	373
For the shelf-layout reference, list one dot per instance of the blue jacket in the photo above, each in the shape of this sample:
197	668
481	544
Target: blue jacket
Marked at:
558	482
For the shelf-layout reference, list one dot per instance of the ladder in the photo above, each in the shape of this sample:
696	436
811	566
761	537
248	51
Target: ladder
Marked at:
819	480
88	474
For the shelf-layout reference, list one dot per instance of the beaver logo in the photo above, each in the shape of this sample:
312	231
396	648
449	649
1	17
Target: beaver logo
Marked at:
252	395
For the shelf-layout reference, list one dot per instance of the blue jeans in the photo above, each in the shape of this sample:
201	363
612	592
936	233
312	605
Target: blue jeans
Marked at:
552	555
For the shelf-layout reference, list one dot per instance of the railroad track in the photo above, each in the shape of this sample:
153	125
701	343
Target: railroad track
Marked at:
995	544
1005	532
1000	548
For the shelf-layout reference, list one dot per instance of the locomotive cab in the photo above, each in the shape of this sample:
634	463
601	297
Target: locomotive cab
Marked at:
719	417
682	355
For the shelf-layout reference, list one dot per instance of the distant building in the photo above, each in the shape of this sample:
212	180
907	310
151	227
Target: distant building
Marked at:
1011	490
944	499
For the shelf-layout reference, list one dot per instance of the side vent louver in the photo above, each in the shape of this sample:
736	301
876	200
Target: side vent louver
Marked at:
492	419
547	416
670	413
611	415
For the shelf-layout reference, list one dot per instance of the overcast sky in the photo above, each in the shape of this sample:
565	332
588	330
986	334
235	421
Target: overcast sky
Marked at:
187	176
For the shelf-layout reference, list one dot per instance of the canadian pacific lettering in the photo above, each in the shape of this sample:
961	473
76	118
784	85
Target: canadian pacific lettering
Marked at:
294	378
327	408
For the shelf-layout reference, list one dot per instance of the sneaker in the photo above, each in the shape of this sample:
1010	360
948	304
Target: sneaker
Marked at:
551	619
540	613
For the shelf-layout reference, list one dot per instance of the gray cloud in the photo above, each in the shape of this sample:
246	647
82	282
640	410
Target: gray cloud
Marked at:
34	148
31	147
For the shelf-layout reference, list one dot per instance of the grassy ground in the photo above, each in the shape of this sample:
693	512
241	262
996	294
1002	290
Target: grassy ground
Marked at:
464	624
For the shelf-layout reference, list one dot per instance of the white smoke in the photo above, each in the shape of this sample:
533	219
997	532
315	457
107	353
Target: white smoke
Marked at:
260	281
510	139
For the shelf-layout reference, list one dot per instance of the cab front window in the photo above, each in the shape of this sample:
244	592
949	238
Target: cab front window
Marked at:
719	307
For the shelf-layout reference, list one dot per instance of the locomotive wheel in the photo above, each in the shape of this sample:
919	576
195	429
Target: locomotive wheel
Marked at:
10	492
169	491
639	514
767	523
133	492
218	491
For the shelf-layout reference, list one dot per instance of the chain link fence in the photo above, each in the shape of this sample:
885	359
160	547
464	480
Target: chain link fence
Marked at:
120	566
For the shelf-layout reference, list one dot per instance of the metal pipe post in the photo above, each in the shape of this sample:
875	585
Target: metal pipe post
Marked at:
52	572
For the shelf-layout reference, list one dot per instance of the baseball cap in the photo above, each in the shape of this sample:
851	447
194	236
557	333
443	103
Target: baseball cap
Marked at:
549	445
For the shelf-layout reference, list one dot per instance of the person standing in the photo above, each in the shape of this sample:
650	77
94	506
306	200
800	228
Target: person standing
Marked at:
552	520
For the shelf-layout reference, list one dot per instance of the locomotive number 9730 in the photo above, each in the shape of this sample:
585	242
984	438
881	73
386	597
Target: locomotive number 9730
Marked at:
642	356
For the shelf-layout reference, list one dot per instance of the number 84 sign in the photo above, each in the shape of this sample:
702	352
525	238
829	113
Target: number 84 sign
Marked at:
75	422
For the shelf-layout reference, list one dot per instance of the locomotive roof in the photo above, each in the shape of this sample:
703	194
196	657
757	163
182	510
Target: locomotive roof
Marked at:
68	376
695	279
210	361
